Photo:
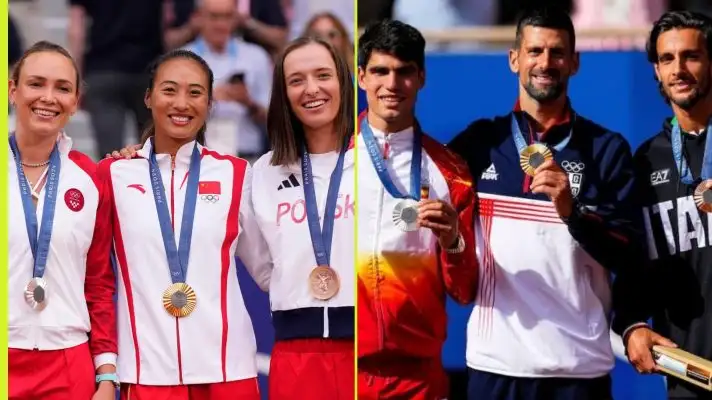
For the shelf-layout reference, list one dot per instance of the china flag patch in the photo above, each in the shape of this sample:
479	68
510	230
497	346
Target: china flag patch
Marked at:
209	187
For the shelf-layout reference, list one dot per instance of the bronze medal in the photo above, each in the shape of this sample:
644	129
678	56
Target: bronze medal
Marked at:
533	156
179	300
703	196
323	282
36	294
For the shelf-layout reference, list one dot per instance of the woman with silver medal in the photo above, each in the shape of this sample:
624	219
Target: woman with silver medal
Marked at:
183	212
62	340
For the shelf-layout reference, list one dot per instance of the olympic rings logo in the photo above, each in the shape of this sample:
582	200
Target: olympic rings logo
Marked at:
573	166
210	198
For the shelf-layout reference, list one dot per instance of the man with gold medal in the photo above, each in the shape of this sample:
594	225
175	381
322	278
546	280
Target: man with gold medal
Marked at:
674	171
556	217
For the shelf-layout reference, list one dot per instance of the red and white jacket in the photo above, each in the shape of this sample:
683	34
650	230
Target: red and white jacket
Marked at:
216	342
403	276
80	279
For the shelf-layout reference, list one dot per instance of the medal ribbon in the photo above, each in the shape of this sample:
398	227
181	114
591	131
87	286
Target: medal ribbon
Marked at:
177	257
382	170
681	163
39	244
521	143
321	238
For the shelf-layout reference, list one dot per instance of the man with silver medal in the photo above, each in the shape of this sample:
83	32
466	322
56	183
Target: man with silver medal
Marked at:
37	291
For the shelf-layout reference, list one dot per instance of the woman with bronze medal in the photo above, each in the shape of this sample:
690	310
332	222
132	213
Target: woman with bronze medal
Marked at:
62	337
184	332
310	123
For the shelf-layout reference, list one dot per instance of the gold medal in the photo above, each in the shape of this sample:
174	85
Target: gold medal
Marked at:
533	156
179	300
323	282
703	196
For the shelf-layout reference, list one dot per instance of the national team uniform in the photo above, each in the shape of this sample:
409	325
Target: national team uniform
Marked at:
53	352
313	355
403	276
209	353
539	328
675	289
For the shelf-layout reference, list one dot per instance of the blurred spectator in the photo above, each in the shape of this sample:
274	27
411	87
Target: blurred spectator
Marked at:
124	37
701	6
14	42
301	11
370	11
615	14
259	21
243	82
328	27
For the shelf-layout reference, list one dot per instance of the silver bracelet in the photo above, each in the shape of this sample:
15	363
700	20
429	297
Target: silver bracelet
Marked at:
460	246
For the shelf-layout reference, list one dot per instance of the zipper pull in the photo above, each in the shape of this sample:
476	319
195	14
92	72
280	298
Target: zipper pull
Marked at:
173	163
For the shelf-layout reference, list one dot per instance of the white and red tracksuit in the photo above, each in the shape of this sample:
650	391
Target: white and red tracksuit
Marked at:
210	353
313	356
52	354
403	277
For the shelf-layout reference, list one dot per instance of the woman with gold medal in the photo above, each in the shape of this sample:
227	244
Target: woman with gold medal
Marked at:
182	212
308	181
303	197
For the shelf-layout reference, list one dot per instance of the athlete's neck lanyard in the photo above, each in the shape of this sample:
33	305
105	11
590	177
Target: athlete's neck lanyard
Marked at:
681	163
521	143
39	244
177	257
321	238
382	170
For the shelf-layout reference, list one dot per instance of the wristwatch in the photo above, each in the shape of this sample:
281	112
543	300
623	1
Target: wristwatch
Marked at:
459	248
113	378
578	210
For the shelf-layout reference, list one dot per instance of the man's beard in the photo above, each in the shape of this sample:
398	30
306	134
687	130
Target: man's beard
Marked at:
690	101
545	94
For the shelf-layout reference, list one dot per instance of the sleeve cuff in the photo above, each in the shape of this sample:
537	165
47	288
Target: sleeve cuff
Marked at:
105	358
630	328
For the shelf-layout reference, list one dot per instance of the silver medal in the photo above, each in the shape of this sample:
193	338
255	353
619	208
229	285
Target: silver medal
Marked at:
405	215
36	294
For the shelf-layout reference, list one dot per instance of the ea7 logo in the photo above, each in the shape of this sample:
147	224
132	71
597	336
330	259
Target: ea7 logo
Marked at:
660	177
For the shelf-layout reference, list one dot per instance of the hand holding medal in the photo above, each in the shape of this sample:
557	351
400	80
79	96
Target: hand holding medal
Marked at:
441	218
551	180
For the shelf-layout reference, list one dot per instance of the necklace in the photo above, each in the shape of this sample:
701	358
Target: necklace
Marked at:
37	165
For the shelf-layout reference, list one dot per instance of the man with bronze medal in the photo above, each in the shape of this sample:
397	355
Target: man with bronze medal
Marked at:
415	213
556	216
673	287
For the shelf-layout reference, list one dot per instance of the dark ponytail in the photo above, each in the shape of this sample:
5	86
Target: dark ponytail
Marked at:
150	129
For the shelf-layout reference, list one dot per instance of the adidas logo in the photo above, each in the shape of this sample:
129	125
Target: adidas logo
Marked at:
490	174
289	183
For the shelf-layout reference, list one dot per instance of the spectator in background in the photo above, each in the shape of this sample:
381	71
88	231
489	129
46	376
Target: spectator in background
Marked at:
299	12
327	26
113	53
260	22
243	81
14	42
615	14
371	11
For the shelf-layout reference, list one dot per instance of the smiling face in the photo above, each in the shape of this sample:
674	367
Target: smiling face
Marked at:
45	94
179	99
683	66
544	61
312	85
391	87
